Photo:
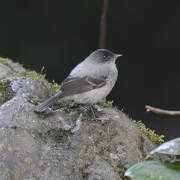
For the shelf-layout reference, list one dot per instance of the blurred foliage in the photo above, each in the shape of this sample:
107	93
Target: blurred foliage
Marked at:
158	170
154	170
171	147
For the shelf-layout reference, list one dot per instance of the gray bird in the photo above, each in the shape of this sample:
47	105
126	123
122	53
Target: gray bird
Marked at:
89	82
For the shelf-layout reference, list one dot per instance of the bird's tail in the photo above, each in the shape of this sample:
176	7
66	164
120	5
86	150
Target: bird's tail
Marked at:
44	105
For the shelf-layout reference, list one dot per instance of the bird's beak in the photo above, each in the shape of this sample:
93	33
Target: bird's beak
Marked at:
118	55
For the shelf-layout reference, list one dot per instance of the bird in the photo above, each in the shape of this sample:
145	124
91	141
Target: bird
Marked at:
89	82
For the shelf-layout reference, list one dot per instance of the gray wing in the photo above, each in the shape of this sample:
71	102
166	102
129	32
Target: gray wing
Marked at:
77	85
71	86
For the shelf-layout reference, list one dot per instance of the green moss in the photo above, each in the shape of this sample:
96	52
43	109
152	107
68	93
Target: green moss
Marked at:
34	75
42	70
106	103
7	62
155	138
55	85
84	173
3	61
120	169
6	92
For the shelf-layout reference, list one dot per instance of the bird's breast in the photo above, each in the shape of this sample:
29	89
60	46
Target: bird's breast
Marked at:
93	96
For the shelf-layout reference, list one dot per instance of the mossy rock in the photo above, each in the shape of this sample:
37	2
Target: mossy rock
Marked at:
3	61
33	75
6	92
43	146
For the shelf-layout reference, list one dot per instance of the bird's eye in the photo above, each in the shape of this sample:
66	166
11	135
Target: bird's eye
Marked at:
104	56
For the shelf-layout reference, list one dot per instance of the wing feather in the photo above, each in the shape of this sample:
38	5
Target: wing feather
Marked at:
77	85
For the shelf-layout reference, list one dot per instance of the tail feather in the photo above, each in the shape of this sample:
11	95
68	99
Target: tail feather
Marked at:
44	105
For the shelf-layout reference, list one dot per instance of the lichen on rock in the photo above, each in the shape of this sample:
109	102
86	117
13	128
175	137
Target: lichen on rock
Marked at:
6	92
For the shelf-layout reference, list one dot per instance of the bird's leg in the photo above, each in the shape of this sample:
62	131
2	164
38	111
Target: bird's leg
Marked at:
93	113
89	109
84	108
98	108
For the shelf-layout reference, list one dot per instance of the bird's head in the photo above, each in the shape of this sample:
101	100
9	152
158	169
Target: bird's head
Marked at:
103	56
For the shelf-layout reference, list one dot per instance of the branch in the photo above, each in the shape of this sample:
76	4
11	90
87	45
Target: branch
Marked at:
103	24
162	111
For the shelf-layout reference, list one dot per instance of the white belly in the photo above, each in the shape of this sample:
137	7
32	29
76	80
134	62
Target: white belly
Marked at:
93	96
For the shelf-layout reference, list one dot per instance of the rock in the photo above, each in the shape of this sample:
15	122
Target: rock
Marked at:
44	147
4	70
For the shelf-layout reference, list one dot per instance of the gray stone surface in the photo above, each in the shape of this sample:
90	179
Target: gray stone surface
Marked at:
4	70
42	146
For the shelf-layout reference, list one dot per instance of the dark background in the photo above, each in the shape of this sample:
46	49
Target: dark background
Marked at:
59	34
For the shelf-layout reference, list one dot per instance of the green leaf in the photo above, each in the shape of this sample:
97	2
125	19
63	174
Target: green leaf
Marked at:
154	170
171	147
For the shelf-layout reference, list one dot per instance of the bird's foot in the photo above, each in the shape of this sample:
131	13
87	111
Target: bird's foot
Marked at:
98	108
92	110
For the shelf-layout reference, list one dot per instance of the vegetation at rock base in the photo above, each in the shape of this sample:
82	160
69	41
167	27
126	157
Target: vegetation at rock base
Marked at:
155	138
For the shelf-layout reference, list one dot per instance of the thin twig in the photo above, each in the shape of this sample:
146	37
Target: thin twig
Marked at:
103	24
162	111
